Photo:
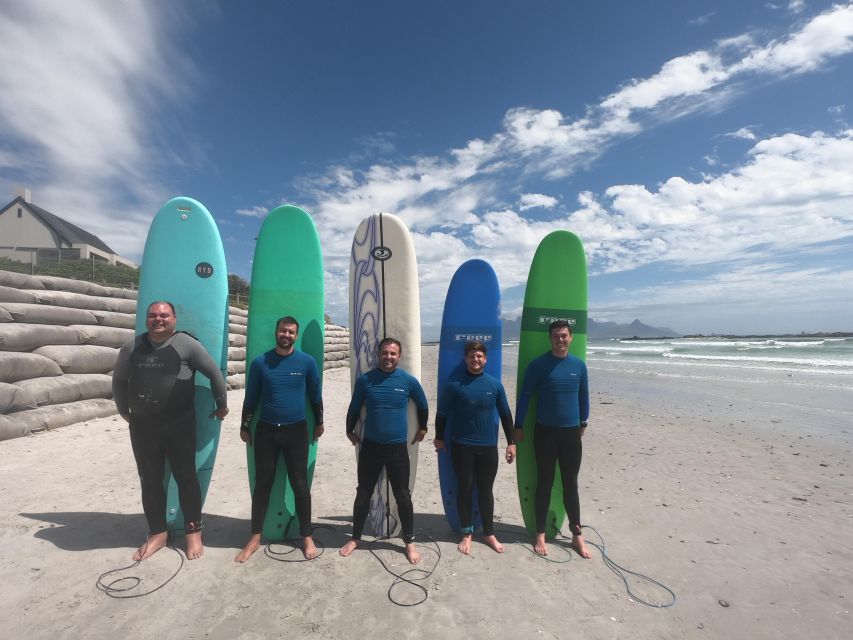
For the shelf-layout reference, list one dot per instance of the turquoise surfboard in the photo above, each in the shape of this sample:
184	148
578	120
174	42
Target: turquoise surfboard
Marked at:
471	312
556	289
184	263
287	280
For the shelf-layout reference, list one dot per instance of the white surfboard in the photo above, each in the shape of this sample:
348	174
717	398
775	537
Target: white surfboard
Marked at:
384	303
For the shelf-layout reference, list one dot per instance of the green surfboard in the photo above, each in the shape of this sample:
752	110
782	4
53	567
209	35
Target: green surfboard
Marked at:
287	280
556	289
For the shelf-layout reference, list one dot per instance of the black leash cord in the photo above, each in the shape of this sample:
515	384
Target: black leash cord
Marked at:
120	593
400	578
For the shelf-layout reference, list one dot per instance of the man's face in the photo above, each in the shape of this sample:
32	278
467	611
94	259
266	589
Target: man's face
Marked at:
160	321
285	335
475	361
389	357
561	338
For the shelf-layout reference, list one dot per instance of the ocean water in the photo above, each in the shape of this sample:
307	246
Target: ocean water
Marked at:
822	362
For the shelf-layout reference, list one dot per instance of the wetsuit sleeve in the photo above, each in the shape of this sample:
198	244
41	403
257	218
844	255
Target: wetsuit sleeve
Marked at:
526	395
416	393
317	407
355	404
253	387
121	374
505	414
583	394
440	423
312	383
444	405
200	360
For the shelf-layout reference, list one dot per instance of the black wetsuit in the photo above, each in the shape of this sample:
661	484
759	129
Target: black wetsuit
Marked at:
154	384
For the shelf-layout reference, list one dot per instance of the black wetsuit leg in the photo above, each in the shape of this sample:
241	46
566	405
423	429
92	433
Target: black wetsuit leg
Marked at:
486	470
150	458
179	441
370	464
397	468
545	446
294	442
569	458
267	451
463	457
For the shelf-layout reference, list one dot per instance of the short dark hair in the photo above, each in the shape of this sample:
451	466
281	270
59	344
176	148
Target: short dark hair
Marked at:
166	302
385	341
559	324
475	345
287	320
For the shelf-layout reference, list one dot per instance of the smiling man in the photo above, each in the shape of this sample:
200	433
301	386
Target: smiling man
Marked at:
385	393
562	383
154	391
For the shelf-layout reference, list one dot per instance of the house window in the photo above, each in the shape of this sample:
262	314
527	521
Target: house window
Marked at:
20	213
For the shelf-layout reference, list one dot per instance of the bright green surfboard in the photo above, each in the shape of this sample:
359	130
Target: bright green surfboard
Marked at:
287	280
556	289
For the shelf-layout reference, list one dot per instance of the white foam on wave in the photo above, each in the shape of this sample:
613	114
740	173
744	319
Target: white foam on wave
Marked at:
805	362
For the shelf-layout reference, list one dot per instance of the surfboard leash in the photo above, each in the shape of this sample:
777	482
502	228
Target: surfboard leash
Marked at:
276	555
120	593
524	542
400	578
624	573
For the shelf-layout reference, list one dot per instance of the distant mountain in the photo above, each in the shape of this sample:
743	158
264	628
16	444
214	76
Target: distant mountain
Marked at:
602	330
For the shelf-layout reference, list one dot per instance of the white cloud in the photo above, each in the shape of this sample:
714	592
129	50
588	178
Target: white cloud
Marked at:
80	85
253	212
744	133
536	200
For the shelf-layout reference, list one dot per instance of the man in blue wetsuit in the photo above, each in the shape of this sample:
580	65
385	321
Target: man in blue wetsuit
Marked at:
154	391
562	383
385	393
471	398
278	380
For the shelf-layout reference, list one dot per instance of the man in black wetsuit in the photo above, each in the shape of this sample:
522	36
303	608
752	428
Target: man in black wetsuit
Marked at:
154	390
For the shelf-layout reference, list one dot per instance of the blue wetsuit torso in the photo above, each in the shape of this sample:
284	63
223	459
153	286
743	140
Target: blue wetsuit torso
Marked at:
471	400
563	388
279	383
386	398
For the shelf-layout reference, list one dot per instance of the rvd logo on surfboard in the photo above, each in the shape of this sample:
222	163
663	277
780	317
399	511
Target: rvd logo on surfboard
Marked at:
381	253
204	269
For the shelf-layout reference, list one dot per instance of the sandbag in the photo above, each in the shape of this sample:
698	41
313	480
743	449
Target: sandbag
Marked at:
333	340
55	283
83	301
68	388
114	337
335	364
20	336
47	314
84	358
16	366
237	381
113	319
53	416
14	398
10	294
236	366
237	311
5	316
332	357
12	279
236	353
233	318
240	329
236	340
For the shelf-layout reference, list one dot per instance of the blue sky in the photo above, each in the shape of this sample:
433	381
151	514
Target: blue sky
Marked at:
702	150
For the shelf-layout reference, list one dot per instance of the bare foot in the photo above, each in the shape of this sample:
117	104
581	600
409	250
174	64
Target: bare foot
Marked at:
349	547
309	549
151	546
252	545
539	545
579	546
493	542
412	553
195	549
464	545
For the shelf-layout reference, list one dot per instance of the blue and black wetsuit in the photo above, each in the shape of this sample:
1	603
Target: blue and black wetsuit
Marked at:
385	396
471	401
279	384
563	388
154	384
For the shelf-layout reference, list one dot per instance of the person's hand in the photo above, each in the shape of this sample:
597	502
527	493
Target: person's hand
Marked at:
518	435
510	453
246	436
220	413
419	436
318	430
353	438
439	445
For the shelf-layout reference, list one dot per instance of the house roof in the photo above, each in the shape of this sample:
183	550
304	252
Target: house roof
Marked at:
68	232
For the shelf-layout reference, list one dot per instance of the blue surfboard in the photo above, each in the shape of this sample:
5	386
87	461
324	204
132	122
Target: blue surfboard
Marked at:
471	312
184	263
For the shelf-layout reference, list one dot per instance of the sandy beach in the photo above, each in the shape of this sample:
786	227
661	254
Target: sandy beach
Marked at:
737	499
